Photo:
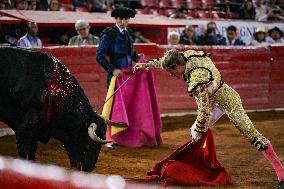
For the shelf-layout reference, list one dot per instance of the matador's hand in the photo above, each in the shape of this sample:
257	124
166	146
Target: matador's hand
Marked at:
196	136
139	66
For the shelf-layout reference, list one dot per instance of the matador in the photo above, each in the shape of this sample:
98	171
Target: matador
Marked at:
214	98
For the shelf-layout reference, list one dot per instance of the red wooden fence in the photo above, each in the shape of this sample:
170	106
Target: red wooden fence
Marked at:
257	73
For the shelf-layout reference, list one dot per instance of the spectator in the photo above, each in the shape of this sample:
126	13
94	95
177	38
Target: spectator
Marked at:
84	37
272	15
30	40
60	39
275	36
98	6
260	9
2	5
209	38
271	5
173	38
10	35
231	38
54	5
21	5
66	5
234	7
32	5
133	4
43	5
259	37
247	12
6	4
213	26
186	37
79	3
179	13
281	4
139	38
211	35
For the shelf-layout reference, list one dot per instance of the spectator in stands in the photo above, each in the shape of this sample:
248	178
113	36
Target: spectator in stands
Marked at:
32	4
21	5
54	5
173	38
209	38
260	9
271	5
84	37
259	37
272	15
281	4
231	38
211	35
98	6
139	38
180	12
235	6
2	5
10	34
187	36
6	4
275	36
214	27
60	39
116	43
43	5
66	5
247	12
133	4
30	40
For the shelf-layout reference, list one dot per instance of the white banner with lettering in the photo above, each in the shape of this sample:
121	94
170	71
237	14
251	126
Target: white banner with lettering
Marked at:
245	28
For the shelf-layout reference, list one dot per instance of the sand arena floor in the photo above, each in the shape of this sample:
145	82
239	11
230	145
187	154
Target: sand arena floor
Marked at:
247	166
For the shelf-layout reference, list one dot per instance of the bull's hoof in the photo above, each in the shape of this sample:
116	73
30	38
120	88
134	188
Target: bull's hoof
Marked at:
281	184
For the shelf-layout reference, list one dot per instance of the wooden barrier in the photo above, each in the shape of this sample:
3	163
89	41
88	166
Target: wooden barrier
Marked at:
255	72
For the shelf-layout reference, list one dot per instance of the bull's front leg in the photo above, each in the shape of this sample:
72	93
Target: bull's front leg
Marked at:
26	136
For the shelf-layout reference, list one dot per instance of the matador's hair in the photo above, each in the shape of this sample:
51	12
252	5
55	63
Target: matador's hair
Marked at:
172	59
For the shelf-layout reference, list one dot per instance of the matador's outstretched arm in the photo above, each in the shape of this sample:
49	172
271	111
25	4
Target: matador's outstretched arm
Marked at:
154	63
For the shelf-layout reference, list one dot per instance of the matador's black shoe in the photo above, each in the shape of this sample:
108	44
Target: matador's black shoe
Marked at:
281	184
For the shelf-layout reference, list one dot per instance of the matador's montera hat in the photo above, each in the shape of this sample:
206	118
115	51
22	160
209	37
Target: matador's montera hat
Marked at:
123	12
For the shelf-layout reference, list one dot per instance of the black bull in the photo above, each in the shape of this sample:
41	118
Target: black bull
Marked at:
40	99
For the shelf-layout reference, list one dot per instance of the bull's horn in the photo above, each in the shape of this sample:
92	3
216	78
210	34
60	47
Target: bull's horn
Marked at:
91	131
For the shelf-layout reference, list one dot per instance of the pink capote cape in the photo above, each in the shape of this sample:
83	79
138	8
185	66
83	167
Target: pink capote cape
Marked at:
136	104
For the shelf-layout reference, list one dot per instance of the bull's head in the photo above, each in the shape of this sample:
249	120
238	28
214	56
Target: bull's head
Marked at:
84	150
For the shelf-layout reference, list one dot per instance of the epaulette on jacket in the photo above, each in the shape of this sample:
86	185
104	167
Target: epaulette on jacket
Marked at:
193	53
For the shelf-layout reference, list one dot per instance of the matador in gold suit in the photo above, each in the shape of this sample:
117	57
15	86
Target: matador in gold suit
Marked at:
214	98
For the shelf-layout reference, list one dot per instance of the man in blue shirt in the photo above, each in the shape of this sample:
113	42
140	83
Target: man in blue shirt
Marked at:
116	42
231	38
30	40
